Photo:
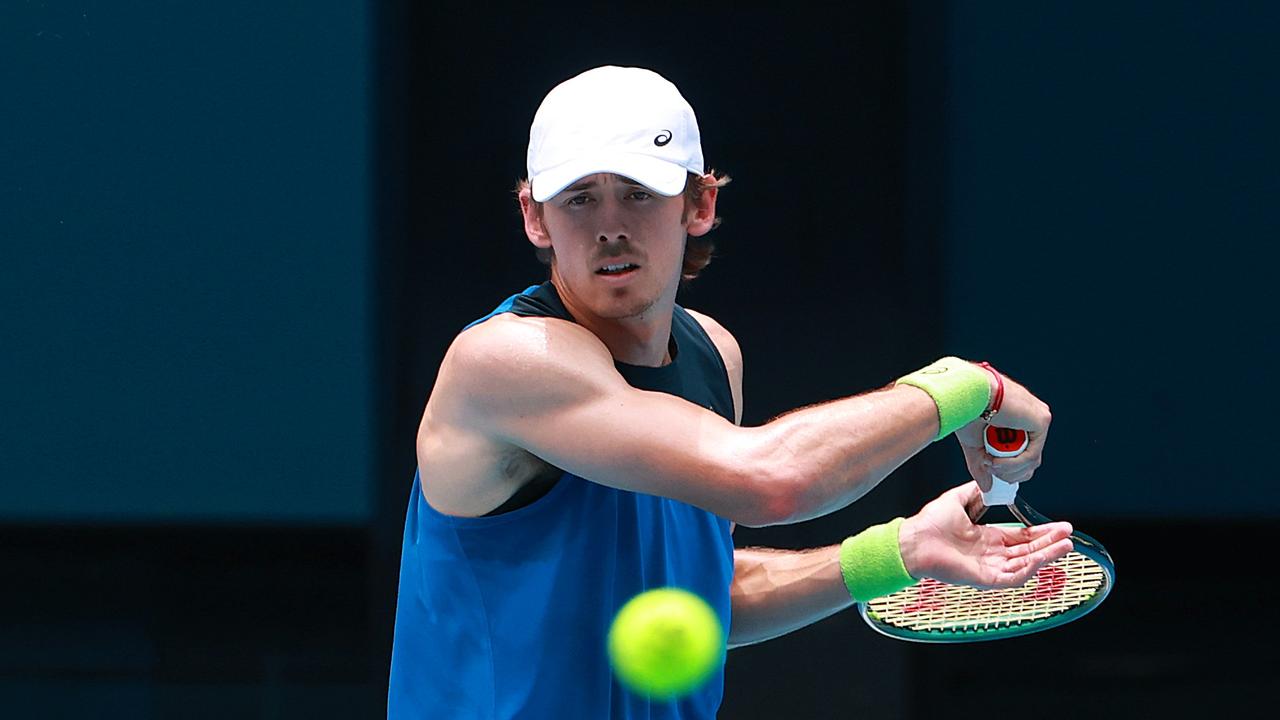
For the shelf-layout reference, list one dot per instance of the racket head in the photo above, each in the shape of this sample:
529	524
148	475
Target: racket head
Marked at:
1064	590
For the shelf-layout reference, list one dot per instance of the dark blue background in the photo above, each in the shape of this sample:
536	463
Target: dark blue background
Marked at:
187	249
1111	206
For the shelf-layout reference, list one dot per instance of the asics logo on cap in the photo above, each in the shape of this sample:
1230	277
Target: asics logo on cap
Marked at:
663	138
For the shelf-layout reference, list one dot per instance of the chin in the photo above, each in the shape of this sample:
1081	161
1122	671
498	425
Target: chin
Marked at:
624	303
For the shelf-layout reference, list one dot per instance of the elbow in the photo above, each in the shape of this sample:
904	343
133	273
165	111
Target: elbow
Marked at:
779	504
776	499
769	484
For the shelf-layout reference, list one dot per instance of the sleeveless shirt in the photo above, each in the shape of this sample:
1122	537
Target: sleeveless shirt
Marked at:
505	616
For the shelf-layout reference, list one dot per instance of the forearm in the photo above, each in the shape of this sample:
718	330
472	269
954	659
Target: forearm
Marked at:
776	591
826	456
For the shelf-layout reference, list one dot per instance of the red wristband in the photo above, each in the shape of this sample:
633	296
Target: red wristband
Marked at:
999	398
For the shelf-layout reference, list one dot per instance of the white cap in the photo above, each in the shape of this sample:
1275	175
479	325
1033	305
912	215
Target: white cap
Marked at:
628	121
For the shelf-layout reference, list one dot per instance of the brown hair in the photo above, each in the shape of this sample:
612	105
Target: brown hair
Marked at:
698	251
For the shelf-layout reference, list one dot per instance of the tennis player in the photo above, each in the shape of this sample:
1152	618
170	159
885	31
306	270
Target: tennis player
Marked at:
581	445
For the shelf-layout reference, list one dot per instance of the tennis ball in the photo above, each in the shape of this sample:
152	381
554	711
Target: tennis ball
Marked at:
665	642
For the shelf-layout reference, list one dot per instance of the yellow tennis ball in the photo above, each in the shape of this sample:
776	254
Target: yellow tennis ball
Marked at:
665	642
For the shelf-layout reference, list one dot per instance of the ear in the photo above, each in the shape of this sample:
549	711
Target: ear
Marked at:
534	228
703	213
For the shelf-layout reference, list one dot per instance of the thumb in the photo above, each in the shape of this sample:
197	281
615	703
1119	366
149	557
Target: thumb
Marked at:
983	476
969	495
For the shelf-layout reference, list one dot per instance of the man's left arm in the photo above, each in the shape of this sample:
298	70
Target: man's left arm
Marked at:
777	591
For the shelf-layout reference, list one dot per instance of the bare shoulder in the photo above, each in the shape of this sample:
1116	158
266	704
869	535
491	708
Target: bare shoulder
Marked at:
730	352
494	374
520	339
510	359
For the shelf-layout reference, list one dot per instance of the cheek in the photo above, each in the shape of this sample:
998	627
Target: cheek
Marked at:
566	237
670	231
665	221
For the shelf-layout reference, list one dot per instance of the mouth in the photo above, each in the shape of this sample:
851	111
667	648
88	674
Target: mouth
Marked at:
621	268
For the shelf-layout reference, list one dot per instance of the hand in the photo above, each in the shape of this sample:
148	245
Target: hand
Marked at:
1020	410
941	542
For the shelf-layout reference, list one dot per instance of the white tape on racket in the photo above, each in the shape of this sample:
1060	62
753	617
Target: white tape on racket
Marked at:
1002	493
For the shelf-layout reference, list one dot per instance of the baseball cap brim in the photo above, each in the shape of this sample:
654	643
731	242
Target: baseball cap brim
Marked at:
661	176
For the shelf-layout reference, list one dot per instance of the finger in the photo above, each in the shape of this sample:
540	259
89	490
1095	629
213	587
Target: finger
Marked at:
1018	570
1022	465
1054	551
1032	562
1028	540
1015	542
969	495
1012	537
1035	444
1055	530
966	492
1039	432
1015	474
1024	418
979	464
1029	563
982	476
975	508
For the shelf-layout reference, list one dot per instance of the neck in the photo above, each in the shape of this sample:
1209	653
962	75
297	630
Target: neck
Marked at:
640	339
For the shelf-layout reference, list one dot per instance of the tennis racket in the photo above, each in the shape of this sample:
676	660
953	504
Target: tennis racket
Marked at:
1061	591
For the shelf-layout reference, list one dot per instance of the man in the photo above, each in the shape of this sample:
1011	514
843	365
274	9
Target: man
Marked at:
581	445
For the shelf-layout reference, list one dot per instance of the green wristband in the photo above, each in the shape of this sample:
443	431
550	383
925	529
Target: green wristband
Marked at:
871	562
960	389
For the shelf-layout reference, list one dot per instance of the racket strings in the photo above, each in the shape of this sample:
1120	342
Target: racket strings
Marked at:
931	605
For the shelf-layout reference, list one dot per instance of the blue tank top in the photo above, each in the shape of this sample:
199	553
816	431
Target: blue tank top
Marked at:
505	616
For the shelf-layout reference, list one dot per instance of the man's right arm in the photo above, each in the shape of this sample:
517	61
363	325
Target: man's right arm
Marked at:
550	387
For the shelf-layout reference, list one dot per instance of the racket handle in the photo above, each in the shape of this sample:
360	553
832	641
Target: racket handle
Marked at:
1003	442
1002	493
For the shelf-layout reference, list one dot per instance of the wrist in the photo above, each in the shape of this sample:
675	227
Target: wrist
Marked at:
996	385
871	562
961	391
909	546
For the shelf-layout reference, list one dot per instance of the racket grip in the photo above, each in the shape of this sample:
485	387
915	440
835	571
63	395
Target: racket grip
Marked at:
1002	442
1002	493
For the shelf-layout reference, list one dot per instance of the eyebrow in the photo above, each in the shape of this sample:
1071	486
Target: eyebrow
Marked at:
592	183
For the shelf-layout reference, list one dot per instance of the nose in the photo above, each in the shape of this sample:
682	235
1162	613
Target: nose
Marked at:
613	226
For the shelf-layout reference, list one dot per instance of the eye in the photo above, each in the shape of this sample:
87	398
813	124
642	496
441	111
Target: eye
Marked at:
577	200
640	195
